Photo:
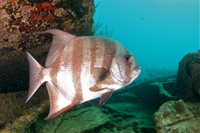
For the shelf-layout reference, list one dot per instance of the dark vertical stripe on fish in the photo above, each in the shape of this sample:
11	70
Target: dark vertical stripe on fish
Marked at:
109	54
55	68
77	57
93	54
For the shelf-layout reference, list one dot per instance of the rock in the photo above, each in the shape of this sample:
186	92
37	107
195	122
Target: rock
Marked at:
178	116
188	81
82	120
109	118
136	113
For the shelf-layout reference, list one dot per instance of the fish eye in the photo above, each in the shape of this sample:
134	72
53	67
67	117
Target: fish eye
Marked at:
127	58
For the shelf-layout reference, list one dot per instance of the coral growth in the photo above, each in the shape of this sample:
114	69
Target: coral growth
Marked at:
24	21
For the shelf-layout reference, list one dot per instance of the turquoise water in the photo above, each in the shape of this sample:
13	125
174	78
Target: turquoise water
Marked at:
158	32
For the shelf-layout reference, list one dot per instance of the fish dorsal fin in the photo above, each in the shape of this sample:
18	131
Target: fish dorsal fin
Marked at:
60	39
104	97
100	74
58	103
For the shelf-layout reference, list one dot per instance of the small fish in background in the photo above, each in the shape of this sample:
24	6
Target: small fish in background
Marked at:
79	69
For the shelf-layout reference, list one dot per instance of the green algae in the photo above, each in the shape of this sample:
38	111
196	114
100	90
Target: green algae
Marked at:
23	123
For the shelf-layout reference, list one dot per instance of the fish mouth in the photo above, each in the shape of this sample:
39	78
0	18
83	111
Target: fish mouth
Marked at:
134	74
136	71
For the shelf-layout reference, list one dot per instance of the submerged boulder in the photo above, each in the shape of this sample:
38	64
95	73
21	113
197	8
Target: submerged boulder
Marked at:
188	78
178	116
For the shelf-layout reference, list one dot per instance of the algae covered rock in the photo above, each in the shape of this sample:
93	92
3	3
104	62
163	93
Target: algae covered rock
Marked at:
188	78
178	116
14	110
81	120
23	21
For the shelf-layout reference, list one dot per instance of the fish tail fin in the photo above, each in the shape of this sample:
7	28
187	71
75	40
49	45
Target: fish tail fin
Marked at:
35	76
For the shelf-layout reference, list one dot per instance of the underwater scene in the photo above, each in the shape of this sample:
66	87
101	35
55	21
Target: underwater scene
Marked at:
99	66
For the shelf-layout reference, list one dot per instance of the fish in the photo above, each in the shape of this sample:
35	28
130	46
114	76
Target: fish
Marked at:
81	68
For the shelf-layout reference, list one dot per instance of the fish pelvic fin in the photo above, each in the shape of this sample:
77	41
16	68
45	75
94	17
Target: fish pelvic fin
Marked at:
35	76
58	103
104	97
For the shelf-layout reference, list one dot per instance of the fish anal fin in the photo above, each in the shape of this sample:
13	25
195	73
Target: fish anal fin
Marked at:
104	97
58	103
100	74
60	39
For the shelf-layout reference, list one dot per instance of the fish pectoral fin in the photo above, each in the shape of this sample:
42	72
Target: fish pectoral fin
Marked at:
104	97
100	74
58	103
